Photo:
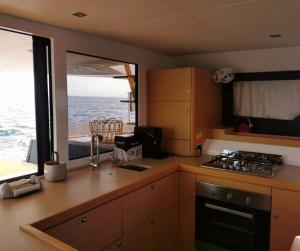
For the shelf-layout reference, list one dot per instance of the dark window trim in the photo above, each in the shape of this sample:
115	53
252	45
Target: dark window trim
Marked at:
49	125
89	55
44	113
135	77
136	96
227	91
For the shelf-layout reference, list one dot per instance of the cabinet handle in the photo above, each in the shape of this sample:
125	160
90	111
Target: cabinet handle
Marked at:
152	187
188	91
276	216
119	244
84	219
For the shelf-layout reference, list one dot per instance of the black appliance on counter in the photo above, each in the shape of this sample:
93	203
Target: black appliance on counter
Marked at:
126	141
231	220
151	140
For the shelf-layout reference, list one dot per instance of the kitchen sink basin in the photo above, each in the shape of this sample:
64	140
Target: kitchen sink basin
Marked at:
134	167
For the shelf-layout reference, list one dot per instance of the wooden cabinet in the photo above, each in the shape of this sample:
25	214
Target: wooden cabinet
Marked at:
116	246
159	232
93	230
170	85
187	197
170	114
185	102
150	216
285	223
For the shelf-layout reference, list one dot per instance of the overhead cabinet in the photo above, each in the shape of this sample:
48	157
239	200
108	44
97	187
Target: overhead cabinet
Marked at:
185	102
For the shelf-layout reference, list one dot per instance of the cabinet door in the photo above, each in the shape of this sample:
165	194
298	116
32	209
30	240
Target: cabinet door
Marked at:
136	208
170	84
116	246
164	228
285	224
158	232
139	206
93	230
164	193
173	117
138	239
180	147
187	193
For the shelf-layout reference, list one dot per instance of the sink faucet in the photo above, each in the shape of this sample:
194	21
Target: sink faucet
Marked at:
95	159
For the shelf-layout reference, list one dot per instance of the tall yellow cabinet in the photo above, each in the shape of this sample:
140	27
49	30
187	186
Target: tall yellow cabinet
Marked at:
185	102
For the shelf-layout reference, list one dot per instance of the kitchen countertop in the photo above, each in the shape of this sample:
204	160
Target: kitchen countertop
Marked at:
84	188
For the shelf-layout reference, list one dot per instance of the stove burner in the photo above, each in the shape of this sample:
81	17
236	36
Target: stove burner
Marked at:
248	162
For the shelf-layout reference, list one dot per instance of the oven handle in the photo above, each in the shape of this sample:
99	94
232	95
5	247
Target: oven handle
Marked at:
230	211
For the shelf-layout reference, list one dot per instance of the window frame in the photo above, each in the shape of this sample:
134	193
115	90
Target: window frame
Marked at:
135	91
41	49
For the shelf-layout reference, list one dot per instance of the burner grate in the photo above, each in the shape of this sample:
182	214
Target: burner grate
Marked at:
249	162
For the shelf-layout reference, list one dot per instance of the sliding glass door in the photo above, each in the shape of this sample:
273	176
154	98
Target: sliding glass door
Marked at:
25	117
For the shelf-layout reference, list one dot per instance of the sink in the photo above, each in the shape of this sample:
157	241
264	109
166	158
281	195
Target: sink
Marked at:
134	167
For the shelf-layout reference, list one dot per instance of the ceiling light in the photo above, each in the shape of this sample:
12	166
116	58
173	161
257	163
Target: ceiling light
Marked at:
79	14
275	35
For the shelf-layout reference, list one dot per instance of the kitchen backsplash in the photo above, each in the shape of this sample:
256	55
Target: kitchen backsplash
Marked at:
290	154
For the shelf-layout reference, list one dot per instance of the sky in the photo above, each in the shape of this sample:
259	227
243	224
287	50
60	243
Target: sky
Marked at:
18	86
97	87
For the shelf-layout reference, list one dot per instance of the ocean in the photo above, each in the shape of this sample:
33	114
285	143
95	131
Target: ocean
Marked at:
85	109
17	120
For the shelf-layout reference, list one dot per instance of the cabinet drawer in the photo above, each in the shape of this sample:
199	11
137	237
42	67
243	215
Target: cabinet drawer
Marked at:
173	117
141	205
93	230
116	246
157	232
170	84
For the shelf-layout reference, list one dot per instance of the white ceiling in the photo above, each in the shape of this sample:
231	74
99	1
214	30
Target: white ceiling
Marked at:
173	27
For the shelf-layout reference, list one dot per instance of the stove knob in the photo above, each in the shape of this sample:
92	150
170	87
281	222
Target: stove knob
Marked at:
248	201
229	196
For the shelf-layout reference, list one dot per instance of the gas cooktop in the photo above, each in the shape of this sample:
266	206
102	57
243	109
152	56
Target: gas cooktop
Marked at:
261	164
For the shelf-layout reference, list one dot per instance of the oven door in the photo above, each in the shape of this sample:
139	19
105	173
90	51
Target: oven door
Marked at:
225	226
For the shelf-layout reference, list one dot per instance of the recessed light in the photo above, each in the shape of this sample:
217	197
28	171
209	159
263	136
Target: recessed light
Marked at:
79	14
275	35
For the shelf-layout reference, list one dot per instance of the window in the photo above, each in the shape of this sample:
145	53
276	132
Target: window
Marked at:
25	117
269	101
102	91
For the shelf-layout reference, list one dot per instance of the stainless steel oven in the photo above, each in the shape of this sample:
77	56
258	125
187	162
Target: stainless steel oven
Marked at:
231	219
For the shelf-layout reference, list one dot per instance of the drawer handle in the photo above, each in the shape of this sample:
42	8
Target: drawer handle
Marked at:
84	219
152	187
275	216
119	244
